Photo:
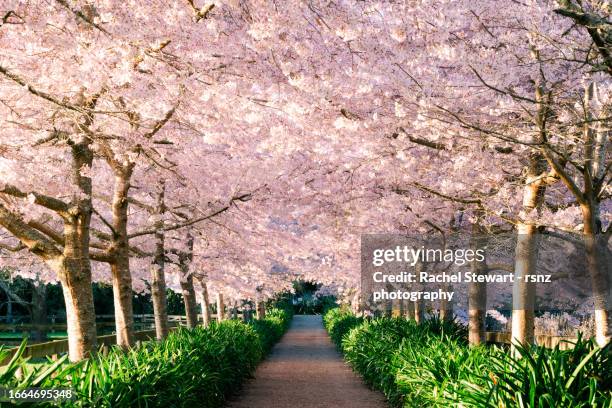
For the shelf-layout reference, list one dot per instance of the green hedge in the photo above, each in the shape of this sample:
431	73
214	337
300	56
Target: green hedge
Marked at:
191	367
338	322
431	365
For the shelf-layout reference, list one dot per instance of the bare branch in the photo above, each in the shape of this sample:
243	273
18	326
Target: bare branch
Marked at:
82	16
12	248
423	142
201	13
442	195
149	231
49	202
48	231
562	174
16	78
593	24
160	123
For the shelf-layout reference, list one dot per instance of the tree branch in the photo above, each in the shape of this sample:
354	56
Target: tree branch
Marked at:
160	123
41	94
49	202
82	16
562	174
423	142
36	242
442	195
592	23
149	231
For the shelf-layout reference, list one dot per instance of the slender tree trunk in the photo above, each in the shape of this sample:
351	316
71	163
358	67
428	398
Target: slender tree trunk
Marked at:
523	293
220	307
158	276
187	287
356	304
409	312
190	300
419	313
206	313
525	262
388	312
120	267
261	310
446	306
158	289
599	270
477	294
597	252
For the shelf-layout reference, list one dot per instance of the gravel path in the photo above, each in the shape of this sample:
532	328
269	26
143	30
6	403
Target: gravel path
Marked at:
304	370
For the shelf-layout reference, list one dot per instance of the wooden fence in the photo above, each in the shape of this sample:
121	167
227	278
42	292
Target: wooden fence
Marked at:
58	347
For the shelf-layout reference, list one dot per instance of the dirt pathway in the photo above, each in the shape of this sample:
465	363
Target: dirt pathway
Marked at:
304	370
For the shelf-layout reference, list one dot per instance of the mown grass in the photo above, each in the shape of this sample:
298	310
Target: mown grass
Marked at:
431	365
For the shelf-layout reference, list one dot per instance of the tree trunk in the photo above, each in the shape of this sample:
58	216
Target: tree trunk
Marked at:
74	267
523	292
190	300
419	313
396	308
158	277
71	263
261	310
477	294
220	307
206	313
446	306
418	304
599	270
409	310
356	304
525	262
80	313
120	267
596	248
